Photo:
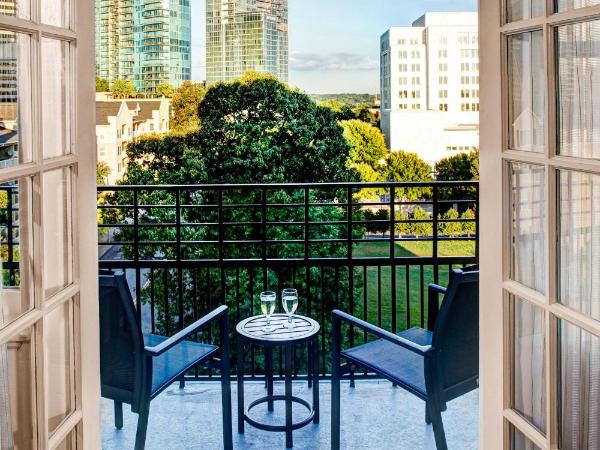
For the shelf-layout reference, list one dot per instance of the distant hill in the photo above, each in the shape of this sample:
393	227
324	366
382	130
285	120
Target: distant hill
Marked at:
347	99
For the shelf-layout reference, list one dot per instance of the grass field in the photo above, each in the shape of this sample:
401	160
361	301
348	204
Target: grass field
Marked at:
411	281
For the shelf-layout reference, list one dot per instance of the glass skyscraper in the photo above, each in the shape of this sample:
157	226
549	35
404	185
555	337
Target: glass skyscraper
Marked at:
146	41
244	35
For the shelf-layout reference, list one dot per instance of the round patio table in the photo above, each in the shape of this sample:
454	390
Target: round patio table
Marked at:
304	330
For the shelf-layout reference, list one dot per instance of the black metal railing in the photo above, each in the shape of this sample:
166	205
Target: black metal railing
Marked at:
9	235
369	249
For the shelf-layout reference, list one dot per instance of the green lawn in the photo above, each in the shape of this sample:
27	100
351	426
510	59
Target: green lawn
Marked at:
408	288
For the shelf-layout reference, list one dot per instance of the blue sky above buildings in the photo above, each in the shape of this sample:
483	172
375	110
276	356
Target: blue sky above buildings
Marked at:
334	44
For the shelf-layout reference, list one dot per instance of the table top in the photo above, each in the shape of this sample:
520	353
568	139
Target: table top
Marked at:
252	329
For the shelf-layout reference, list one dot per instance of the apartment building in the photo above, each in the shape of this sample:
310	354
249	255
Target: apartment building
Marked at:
244	35
430	85
145	41
119	122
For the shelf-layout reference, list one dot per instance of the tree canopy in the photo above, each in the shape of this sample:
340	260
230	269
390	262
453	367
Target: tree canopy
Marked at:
101	85
185	103
165	90
256	129
405	166
102	173
123	89
460	167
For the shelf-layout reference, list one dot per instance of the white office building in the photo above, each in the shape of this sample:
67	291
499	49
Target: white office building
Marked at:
430	85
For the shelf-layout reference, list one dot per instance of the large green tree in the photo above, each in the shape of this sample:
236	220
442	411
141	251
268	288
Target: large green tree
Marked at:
165	90
185	103
101	85
257	129
405	166
123	89
459	167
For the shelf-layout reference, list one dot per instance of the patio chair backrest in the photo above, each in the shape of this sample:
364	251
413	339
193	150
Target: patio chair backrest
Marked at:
121	340
456	332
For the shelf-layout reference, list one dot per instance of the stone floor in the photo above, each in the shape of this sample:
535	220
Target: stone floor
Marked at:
375	416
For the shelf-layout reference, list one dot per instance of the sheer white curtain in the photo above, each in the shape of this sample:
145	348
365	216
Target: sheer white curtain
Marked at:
6	432
580	290
529	379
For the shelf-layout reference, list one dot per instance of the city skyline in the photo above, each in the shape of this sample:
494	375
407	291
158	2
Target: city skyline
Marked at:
143	41
244	35
334	46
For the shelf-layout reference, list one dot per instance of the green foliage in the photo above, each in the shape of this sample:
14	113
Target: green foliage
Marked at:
367	144
451	228
459	167
406	167
123	89
469	228
165	90
421	229
346	99
257	129
185	104
101	85
379	215
102	173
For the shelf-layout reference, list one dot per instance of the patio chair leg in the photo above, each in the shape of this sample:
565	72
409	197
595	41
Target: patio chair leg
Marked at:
142	426
438	427
427	414
118	415
352	370
310	364
182	382
226	385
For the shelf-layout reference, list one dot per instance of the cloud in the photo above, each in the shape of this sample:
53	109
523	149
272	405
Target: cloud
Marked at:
310	62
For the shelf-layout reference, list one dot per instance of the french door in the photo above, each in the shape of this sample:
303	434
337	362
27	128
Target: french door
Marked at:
540	171
48	284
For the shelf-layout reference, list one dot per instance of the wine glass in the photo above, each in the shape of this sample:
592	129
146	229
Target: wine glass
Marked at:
267	307
289	299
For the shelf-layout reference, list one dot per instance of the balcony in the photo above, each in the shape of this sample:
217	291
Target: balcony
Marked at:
368	249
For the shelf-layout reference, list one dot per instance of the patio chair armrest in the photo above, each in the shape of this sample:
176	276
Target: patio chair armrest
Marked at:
433	304
340	316
217	314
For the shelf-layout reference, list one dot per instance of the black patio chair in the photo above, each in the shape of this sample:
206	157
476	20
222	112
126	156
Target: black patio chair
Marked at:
437	364
136	367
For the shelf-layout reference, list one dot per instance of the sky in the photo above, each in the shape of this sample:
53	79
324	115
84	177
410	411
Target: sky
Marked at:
334	44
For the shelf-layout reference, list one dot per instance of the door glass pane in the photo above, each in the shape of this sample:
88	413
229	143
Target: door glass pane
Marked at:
55	102
57	230
55	12
16	293
527	92
579	260
518	441
58	352
529	374
579	89
579	394
524	9
15	98
17	397
19	8
527	233
564	5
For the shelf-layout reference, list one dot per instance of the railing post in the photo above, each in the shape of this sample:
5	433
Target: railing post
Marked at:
180	305
434	253
136	253
393	256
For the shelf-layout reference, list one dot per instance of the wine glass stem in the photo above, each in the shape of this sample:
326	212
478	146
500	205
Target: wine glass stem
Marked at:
268	319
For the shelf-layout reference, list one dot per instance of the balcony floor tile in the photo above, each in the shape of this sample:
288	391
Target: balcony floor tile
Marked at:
374	416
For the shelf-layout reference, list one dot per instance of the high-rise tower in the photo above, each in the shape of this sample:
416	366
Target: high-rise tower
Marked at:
244	35
146	41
